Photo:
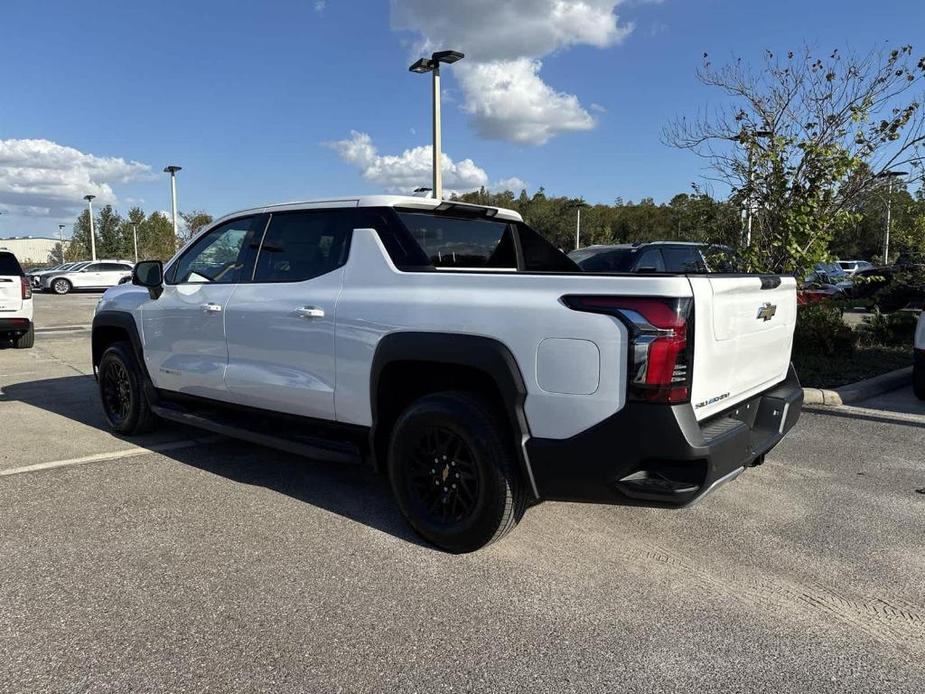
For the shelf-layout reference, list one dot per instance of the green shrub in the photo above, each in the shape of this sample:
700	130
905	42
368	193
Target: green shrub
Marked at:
821	330
907	287
887	329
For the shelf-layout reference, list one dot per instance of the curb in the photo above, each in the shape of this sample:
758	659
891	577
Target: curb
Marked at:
853	392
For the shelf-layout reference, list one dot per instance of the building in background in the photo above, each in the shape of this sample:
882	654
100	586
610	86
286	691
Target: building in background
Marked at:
32	250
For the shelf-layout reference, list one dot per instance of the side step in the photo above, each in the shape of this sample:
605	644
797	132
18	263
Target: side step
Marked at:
278	435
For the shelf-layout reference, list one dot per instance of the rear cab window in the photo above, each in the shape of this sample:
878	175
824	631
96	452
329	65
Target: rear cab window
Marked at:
470	242
458	243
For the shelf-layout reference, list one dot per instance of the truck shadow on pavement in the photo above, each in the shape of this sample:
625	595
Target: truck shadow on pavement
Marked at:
349	490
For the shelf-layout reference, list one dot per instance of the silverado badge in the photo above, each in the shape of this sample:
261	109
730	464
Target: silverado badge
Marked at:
766	312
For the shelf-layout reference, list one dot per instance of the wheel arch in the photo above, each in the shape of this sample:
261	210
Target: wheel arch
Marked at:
116	326
408	365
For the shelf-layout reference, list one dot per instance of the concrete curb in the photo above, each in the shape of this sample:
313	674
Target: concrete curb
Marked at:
861	390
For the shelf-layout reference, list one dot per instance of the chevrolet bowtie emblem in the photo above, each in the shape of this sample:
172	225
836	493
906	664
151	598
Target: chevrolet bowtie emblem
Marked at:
766	312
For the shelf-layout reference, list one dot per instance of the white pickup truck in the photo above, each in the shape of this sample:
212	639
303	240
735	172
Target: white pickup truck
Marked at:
453	347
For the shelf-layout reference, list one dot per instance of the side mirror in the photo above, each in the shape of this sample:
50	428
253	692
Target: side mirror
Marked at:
150	274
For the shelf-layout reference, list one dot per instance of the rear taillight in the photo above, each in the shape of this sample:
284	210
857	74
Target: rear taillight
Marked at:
26	288
661	342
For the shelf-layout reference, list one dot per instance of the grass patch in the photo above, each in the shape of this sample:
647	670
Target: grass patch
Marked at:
824	371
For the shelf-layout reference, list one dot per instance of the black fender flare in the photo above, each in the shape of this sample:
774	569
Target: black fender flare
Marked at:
481	353
125	321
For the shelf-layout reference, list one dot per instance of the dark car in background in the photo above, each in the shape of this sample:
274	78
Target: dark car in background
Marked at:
658	256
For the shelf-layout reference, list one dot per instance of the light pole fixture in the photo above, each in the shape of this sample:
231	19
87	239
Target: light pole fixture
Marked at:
578	204
172	170
89	199
889	176
432	65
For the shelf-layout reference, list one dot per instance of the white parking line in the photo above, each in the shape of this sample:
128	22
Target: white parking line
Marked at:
113	455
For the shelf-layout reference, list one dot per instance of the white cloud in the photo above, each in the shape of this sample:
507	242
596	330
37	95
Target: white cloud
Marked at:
40	178
513	184
402	173
503	42
320	6
508	101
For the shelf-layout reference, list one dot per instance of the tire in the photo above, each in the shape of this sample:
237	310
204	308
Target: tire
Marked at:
449	439
27	340
61	286
918	380
122	391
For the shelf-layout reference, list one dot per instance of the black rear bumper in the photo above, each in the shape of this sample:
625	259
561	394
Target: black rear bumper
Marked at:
660	455
14	326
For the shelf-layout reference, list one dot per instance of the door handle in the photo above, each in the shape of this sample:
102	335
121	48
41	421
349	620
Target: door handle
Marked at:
310	312
211	308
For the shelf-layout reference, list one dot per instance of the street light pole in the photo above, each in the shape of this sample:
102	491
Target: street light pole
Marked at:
61	240
578	230
89	199
889	175
432	65
172	170
135	241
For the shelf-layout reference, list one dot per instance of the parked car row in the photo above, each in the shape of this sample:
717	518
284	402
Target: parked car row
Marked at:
86	274
658	256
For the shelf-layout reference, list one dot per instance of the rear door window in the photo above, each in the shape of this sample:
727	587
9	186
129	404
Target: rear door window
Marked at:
301	245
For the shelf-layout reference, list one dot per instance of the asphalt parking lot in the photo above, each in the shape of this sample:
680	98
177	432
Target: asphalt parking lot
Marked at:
181	562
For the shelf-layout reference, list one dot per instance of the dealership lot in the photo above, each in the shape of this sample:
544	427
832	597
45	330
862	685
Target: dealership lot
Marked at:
186	562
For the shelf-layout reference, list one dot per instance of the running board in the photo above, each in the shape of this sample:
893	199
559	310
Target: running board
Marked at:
298	444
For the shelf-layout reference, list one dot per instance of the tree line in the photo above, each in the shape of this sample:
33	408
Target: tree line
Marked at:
699	217
115	235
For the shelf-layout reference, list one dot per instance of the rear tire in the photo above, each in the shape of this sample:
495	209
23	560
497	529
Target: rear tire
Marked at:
453	472
26	340
122	391
918	381
61	286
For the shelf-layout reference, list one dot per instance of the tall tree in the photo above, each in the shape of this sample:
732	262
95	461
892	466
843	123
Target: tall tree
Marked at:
155	238
110	235
79	247
802	137
195	221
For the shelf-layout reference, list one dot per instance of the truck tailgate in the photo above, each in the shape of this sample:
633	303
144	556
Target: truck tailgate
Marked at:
743	335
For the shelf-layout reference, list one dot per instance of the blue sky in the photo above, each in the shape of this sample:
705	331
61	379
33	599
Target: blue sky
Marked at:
295	99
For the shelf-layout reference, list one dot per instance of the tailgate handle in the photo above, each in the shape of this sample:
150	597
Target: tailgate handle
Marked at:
4	279
770	281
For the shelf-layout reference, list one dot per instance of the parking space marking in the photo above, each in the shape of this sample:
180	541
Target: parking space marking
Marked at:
113	455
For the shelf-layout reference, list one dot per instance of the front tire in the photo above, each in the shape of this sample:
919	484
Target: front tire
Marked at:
26	340
61	286
122	393
918	380
452	470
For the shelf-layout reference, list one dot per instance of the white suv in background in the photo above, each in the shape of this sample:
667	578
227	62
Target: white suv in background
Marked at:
15	303
99	274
